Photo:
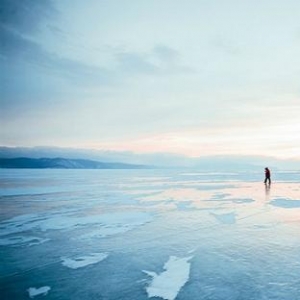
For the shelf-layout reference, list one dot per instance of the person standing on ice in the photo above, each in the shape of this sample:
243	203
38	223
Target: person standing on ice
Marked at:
267	176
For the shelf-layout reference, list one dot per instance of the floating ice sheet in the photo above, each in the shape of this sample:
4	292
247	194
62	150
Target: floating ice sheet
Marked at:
168	283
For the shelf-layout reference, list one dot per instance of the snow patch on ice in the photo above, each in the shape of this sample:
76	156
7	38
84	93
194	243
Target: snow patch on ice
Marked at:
67	221
19	223
286	203
102	232
83	261
40	291
168	283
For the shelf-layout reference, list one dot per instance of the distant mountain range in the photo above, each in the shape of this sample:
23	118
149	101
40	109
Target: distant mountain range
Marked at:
62	163
56	157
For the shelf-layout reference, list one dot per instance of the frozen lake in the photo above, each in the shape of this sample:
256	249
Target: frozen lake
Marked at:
149	234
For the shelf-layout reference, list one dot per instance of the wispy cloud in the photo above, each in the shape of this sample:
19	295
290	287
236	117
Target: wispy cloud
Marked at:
20	52
17	48
161	60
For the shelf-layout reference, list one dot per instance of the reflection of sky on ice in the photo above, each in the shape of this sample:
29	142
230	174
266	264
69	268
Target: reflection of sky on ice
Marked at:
198	235
286	203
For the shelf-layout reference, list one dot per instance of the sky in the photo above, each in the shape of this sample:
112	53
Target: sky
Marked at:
193	77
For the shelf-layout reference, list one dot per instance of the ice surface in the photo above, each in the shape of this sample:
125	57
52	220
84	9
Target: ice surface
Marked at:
17	240
93	241
38	291
112	222
112	219
286	203
168	283
226	218
106	231
83	261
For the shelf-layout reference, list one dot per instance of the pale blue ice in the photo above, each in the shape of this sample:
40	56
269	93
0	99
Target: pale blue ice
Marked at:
149	234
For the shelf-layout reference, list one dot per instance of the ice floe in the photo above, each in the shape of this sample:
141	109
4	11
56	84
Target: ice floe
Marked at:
168	283
38	291
83	261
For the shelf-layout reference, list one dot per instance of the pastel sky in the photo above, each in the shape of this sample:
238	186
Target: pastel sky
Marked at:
193	77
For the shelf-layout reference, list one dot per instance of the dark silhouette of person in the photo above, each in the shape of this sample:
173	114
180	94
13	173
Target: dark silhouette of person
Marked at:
267	176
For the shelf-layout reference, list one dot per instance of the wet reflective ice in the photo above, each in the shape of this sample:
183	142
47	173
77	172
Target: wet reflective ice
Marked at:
149	234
